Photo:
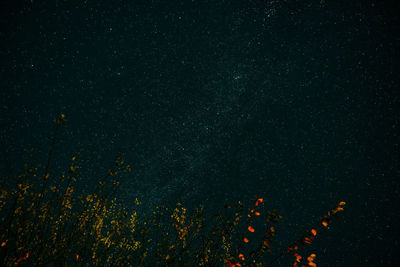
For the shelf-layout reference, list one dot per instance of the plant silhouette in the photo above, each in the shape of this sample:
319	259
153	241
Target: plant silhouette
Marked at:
45	222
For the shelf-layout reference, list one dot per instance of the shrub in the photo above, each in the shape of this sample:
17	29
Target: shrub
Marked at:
45	222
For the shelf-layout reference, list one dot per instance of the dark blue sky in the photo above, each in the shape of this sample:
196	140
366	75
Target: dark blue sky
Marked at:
212	103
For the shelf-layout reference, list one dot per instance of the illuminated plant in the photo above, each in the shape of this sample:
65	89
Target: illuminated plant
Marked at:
45	222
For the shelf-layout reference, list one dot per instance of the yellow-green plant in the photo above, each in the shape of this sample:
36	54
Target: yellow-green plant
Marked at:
45	222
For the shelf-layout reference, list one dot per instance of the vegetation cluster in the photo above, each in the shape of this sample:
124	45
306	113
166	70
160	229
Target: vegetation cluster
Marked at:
45	222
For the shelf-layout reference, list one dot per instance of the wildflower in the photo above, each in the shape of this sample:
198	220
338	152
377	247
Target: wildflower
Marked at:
251	229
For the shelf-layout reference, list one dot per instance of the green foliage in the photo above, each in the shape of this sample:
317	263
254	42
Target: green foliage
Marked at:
45	222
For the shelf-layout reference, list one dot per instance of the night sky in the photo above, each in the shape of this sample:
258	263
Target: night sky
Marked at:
212	103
